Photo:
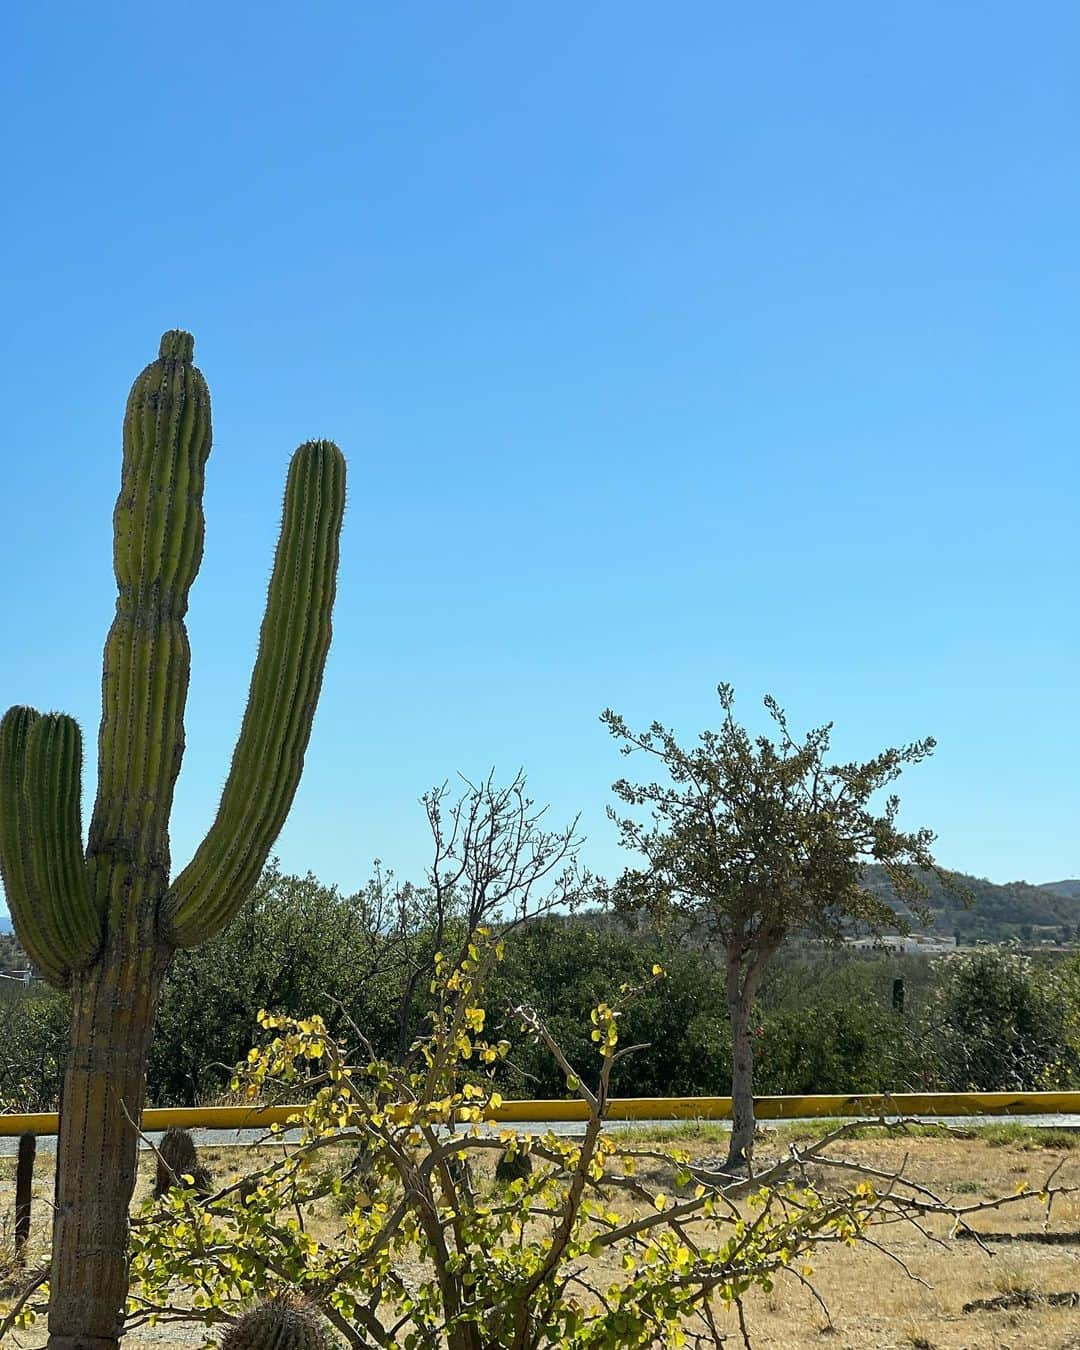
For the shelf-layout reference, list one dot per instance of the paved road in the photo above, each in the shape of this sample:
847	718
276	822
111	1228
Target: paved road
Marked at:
231	1138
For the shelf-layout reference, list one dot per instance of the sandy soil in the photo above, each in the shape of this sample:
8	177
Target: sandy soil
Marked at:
875	1304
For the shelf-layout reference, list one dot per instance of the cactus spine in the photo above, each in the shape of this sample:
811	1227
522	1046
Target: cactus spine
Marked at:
281	1323
106	923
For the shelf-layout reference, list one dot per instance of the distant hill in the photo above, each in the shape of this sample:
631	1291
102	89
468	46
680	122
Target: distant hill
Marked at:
1051	909
1071	889
1015	909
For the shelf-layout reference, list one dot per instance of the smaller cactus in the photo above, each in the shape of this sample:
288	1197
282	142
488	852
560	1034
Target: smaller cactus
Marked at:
513	1165
461	1173
282	1323
358	1180
177	1158
361	1167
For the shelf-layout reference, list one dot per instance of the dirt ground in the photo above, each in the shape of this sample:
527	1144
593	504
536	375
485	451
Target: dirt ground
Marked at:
875	1304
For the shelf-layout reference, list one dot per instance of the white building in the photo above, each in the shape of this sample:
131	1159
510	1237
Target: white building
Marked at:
907	943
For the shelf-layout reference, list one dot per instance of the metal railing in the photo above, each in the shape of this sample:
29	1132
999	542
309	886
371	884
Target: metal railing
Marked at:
872	1105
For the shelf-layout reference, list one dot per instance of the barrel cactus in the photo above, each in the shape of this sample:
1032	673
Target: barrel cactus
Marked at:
106	921
176	1158
513	1165
282	1323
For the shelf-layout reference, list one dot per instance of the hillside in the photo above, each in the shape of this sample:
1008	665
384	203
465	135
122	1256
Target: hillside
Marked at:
1016	909
1066	888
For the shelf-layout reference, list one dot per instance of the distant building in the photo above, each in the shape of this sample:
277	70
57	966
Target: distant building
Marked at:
907	943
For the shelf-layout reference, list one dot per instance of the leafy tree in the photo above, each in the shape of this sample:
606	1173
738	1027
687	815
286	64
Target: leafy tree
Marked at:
564	966
752	840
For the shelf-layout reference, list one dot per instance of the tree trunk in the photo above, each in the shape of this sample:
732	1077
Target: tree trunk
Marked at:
740	1006
113	1008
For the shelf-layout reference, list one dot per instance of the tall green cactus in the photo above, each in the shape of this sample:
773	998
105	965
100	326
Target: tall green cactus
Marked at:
105	923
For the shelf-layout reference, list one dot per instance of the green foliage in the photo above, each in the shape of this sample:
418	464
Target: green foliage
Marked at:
754	839
751	840
369	956
427	1254
825	1024
33	1046
1004	1022
563	967
294	945
822	1021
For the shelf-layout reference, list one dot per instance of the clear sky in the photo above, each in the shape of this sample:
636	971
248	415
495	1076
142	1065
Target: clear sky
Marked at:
668	344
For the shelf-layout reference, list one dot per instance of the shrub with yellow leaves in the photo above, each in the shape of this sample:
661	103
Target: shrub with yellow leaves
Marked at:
586	1249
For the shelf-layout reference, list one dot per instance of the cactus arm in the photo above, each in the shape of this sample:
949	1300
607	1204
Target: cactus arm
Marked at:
29	917
52	786
285	684
158	528
35	922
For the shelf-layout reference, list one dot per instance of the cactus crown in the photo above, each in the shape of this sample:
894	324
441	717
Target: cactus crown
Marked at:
68	905
176	345
282	1323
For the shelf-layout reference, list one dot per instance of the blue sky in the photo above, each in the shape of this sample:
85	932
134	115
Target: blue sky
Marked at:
668	344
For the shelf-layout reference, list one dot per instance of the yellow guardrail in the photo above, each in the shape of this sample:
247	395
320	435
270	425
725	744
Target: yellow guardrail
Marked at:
630	1108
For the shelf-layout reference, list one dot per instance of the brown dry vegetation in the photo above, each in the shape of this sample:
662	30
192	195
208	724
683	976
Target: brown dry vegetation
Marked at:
874	1304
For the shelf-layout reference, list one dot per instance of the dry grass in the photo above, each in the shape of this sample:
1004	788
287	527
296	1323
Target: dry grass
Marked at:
874	1303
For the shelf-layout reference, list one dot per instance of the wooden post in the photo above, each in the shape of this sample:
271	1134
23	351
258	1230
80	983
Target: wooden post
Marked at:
24	1181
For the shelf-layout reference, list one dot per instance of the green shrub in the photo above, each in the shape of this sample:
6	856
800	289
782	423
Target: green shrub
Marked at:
1001	1022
